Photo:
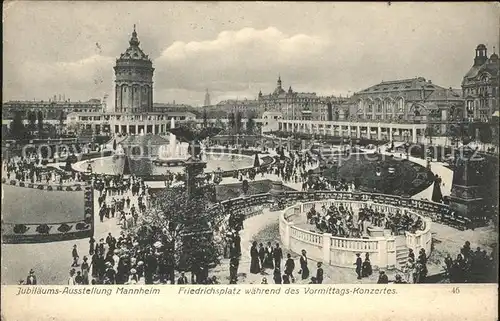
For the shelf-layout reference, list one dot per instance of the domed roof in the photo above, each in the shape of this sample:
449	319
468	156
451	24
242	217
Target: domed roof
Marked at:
134	52
481	46
278	91
494	57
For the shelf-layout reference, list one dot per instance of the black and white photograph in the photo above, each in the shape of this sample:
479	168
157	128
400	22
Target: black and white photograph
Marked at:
249	143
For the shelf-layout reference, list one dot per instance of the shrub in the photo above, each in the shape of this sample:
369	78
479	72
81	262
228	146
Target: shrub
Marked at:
64	228
82	226
69	189
4	180
43	229
20	228
39	186
59	188
49	188
21	184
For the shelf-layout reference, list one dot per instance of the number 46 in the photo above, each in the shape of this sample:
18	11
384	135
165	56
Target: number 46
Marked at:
455	290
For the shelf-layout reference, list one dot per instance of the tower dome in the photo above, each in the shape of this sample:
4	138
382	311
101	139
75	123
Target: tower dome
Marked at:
133	79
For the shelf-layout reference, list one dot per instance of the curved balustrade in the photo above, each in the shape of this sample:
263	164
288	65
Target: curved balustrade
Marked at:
340	251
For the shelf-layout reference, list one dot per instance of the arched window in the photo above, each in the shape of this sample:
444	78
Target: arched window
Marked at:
388	107
401	105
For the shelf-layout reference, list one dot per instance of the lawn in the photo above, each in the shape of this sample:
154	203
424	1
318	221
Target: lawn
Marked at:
407	178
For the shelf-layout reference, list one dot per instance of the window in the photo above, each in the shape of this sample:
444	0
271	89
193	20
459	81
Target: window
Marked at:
124	89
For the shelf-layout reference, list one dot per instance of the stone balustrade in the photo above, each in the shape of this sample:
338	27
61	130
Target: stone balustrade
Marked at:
339	251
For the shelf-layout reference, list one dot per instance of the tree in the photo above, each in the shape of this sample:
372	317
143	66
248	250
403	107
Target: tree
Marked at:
205	118
232	123
114	144
250	124
485	134
61	121
40	123
17	129
238	122
31	121
185	225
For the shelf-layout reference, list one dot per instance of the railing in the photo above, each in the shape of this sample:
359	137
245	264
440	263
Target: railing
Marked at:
340	251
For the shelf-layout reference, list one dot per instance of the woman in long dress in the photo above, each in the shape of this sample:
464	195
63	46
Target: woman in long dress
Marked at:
268	260
254	255
367	267
304	270
409	270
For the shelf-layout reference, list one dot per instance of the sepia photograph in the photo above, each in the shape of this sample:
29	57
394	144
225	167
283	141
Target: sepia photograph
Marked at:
248	143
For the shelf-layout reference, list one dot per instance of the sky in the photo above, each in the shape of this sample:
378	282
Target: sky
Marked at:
235	49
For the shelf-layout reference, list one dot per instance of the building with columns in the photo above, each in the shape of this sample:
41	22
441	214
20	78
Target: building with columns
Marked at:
133	79
480	86
52	109
415	101
126	123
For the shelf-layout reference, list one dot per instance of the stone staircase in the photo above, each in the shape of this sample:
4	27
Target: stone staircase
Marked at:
401	256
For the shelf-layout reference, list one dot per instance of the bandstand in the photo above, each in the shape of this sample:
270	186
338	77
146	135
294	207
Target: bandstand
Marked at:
386	251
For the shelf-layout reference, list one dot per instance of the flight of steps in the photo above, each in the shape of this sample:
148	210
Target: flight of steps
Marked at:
401	256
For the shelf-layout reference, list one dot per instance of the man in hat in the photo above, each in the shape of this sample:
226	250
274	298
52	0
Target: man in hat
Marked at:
359	264
79	278
110	273
74	253
31	279
278	256
182	279
289	267
382	278
319	274
71	279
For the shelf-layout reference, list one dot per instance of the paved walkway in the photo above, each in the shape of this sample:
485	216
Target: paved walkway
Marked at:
263	228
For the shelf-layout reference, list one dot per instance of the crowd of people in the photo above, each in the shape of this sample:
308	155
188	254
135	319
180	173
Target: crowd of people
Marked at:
343	221
128	260
28	169
471	266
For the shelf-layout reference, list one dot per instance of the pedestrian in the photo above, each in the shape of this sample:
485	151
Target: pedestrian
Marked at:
382	278
289	267
277	276
74	253
359	264
319	274
304	269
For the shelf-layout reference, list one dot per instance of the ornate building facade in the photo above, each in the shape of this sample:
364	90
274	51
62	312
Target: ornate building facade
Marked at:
415	100
294	105
133	79
52	109
480	86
